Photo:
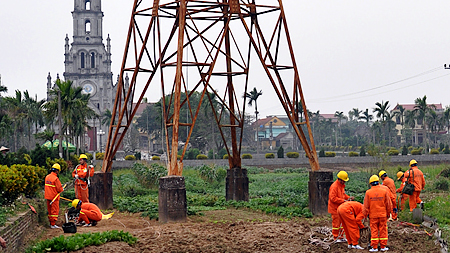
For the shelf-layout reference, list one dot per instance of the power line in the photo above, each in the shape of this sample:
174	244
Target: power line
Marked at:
379	87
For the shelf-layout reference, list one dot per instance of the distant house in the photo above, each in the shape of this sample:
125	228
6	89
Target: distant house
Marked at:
268	129
417	131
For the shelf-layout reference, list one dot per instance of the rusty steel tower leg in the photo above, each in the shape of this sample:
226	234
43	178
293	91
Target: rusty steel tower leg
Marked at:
220	38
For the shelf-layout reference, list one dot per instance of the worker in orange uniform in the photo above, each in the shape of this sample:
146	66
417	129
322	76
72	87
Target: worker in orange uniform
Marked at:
336	197
403	196
53	188
90	214
389	183
81	175
350	214
415	176
378	207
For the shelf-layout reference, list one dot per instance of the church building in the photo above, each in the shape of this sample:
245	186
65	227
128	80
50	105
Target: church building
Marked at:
88	65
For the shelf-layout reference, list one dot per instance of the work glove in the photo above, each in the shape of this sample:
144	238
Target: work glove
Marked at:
76	176
395	210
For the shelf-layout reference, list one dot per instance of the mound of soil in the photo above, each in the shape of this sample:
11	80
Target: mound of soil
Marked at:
236	231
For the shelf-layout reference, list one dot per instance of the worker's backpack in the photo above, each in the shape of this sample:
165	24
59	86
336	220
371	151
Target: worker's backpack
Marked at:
409	187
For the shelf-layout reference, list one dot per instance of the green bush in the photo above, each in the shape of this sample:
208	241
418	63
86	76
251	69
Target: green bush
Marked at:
330	154
202	157
130	158
393	152
34	176
292	155
441	185
404	150
322	152
280	152
225	156
156	158
416	152
247	156
60	161
149	176
445	173
353	153
99	156
270	155
12	183
434	151
362	151
79	241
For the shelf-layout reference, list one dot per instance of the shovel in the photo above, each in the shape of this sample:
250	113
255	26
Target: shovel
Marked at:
57	195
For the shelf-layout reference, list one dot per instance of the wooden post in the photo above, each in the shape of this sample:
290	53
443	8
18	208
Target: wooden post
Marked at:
318	188
100	192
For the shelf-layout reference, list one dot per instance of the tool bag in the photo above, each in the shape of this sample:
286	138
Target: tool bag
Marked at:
409	187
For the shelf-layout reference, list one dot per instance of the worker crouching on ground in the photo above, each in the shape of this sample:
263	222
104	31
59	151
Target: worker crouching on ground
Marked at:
377	205
403	196
90	214
350	214
336	197
52	189
389	183
81	175
415	176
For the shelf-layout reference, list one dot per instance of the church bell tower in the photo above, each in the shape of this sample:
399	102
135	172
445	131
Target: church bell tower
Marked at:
88	64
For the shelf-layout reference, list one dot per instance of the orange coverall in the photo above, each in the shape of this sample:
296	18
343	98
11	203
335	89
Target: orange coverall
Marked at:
52	188
403	196
389	183
377	206
90	212
81	186
350	213
419	184
336	197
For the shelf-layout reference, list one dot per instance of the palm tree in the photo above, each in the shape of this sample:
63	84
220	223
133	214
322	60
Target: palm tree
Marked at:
16	112
253	96
340	116
366	116
354	113
434	123
33	114
410	121
446	118
421	109
382	113
401	114
46	135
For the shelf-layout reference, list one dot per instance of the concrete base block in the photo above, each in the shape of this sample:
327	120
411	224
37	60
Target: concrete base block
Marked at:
318	188
417	216
172	203
237	184
100	192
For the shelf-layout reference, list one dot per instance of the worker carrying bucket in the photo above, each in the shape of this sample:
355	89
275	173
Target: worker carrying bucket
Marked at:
53	188
90	214
81	175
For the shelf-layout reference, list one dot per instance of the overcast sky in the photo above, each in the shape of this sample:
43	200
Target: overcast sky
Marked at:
350	54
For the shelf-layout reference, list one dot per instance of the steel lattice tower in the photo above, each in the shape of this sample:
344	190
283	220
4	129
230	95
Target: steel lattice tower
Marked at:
208	44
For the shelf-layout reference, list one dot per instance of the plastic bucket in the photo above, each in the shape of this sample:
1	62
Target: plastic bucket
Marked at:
69	227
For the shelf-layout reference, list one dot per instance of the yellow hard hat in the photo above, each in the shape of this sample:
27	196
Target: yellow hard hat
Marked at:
57	166
382	173
83	156
75	203
399	175
343	175
412	162
374	178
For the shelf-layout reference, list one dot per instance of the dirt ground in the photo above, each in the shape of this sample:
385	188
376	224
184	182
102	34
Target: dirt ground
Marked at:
234	231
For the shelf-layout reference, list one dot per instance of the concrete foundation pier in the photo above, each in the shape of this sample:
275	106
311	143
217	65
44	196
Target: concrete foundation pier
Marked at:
100	192
318	188
237	184
172	203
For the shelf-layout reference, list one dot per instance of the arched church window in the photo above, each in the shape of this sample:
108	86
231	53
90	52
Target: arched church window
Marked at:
92	60
88	26
88	5
82	60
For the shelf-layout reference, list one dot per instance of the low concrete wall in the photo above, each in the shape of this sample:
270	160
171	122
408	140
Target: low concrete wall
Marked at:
325	162
17	229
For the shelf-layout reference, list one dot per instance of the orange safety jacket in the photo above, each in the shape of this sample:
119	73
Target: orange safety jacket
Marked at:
91	211
377	203
336	196
418	180
82	172
52	186
392	196
390	184
399	190
355	209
